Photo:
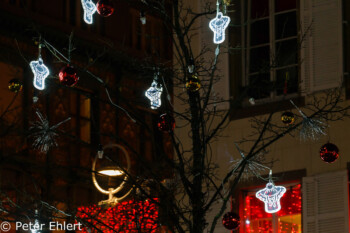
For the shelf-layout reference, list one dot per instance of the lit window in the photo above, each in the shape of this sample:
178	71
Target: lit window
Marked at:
287	220
270	63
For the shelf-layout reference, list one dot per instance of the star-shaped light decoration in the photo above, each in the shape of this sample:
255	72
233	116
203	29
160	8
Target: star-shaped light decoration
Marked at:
254	165
43	134
154	93
310	128
271	196
218	25
89	9
40	72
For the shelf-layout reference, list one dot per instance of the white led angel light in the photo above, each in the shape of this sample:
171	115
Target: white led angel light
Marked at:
271	196
89	9
40	72
219	24
154	93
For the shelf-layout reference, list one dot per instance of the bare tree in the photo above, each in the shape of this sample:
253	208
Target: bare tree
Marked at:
185	199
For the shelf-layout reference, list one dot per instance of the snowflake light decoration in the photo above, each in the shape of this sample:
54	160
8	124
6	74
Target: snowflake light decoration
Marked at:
310	128
271	196
154	93
40	72
218	25
44	136
254	165
89	9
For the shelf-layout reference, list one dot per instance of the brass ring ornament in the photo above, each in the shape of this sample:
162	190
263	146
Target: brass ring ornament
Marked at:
112	191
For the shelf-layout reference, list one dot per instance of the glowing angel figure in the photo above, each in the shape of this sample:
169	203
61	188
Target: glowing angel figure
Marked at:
153	93
89	9
218	25
40	72
271	196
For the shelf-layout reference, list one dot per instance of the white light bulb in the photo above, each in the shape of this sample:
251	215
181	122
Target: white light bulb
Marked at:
218	25
89	9
40	72
271	196
154	93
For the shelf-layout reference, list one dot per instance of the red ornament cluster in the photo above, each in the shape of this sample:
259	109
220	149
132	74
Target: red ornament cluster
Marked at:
329	152
68	76
125	217
231	221
105	8
166	123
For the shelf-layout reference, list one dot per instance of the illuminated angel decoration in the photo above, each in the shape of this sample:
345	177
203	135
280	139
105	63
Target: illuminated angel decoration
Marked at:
154	93
40	72
218	25
271	196
89	9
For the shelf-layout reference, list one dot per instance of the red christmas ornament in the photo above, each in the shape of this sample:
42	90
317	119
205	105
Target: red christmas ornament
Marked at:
105	8
166	123
231	221
329	152
68	76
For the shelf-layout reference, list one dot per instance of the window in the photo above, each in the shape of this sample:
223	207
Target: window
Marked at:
80	113
287	220
270	36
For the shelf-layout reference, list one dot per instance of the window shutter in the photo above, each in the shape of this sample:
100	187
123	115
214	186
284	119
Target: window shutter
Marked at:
325	203
321	47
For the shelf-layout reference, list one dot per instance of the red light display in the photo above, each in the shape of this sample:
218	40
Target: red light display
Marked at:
126	217
254	210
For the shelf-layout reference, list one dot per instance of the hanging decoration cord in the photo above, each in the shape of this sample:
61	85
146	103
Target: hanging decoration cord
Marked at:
117	106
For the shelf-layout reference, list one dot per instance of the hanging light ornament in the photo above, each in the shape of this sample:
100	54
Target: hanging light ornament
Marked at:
105	8
231	221
15	85
191	66
329	152
89	9
288	118
44	136
154	93
40	72
143	17
311	128
271	196
193	83
166	123
218	25
68	76
251	101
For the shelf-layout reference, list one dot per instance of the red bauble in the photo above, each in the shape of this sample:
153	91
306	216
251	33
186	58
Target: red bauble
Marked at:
105	8
166	123
329	152
231	221
68	76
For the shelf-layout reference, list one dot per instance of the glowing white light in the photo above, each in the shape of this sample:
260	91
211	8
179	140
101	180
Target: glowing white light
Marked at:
153	93
89	9
40	72
271	196
247	222
218	25
111	172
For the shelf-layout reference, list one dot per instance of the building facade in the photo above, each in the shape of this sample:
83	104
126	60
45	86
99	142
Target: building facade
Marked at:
109	50
280	51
